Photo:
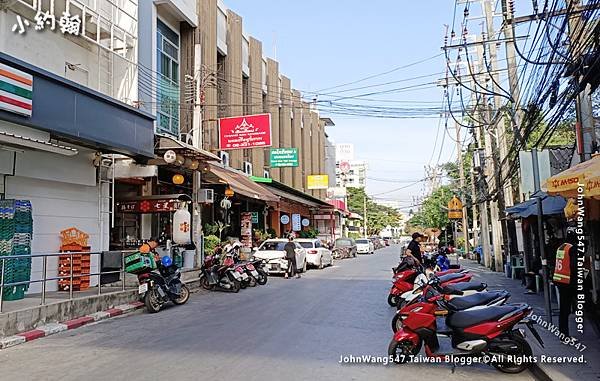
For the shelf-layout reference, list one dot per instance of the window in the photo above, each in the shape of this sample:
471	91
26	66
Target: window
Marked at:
167	46
306	245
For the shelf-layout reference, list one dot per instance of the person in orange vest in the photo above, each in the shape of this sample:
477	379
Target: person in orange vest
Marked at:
564	270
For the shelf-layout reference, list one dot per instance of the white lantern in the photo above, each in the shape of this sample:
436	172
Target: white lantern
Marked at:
170	156
182	226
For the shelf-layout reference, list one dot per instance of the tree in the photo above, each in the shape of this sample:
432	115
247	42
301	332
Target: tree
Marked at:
378	216
433	211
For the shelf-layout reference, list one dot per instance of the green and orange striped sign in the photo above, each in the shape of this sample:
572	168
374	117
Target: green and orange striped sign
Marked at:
16	90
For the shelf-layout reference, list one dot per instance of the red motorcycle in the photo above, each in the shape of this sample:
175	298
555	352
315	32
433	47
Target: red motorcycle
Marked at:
474	296
480	335
404	281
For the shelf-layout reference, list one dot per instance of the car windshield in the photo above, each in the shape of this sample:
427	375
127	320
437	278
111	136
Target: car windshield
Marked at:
307	245
272	246
362	241
343	242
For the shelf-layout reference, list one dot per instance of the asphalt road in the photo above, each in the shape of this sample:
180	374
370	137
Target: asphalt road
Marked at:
294	329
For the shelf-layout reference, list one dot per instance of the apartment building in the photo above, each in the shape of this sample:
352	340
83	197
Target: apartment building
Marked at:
236	78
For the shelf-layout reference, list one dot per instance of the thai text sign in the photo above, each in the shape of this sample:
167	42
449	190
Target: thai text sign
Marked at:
284	157
247	131
317	182
455	209
296	222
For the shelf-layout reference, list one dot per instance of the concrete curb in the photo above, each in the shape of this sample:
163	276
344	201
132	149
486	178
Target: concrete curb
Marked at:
53	328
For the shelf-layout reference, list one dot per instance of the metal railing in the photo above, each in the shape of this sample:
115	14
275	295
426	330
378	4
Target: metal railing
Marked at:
45	279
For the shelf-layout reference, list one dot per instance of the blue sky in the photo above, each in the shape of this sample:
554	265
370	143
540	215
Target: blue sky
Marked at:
325	43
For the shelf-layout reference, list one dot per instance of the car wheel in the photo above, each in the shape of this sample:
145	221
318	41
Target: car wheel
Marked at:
304	267
321	263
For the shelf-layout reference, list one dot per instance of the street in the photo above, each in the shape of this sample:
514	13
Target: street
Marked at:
294	329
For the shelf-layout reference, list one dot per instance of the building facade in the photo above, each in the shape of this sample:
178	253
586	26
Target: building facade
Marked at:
69	98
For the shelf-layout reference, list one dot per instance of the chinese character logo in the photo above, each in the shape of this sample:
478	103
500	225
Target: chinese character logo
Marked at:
69	24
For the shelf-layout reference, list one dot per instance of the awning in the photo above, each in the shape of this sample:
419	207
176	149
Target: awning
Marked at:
291	197
567	182
295	195
240	183
166	142
14	140
550	205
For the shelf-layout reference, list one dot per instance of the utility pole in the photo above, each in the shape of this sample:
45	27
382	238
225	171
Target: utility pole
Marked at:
365	215
499	130
585	129
474	207
461	172
541	235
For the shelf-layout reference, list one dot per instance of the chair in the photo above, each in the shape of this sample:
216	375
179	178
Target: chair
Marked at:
516	263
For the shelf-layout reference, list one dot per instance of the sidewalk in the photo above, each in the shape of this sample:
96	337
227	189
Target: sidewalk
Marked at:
553	346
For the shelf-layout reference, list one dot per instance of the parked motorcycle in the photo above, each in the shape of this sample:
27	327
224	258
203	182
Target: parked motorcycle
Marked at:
340	253
258	266
216	276
404	282
487	332
421	282
162	285
460	297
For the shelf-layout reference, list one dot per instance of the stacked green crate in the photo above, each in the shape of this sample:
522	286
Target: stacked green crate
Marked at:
16	228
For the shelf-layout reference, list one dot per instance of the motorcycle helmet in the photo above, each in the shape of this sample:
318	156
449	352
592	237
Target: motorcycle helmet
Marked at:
166	261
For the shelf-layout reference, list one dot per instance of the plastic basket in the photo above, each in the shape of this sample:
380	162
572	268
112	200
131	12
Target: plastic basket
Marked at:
14	293
138	263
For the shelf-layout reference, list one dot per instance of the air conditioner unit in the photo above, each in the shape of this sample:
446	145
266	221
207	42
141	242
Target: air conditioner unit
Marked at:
266	174
224	158
206	196
248	168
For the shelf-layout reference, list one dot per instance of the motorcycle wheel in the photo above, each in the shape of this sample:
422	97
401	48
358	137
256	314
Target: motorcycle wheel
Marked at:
524	350
252	281
152	301
243	284
400	302
262	278
235	286
401	351
185	295
397	323
205	284
392	300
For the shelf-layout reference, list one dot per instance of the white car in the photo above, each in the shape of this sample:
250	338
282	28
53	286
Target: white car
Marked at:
316	254
364	246
273	255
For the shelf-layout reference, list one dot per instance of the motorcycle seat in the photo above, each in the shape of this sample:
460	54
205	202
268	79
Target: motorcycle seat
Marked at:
479	299
467	286
449	277
464	319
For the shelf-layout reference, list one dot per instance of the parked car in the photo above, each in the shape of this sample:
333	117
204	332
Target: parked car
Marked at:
346	244
364	246
316	254
273	255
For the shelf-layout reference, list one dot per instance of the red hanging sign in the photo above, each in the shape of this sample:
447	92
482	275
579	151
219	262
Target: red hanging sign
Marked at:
148	206
247	131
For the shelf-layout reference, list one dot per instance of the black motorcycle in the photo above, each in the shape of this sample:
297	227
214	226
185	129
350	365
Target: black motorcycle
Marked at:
163	285
259	272
218	276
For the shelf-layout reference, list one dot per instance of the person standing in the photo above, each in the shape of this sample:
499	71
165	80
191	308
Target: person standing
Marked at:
414	247
565	266
290	255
